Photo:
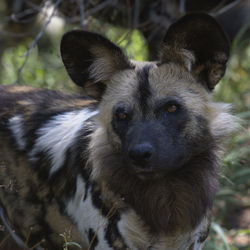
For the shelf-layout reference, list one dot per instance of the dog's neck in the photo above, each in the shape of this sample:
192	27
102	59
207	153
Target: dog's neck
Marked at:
177	201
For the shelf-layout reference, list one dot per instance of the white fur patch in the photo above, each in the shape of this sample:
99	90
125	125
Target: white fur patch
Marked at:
16	126
223	122
86	216
56	136
197	234
188	58
134	231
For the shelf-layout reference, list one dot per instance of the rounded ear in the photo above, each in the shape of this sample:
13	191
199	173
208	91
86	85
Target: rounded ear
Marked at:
91	60
198	42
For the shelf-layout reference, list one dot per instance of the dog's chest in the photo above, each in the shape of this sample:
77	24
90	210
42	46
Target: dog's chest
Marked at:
104	227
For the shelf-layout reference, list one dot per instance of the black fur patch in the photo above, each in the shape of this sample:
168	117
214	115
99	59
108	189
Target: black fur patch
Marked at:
64	180
203	236
113	235
143	91
97	201
93	239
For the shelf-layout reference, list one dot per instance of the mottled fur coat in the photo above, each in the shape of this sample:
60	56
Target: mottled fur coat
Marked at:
134	164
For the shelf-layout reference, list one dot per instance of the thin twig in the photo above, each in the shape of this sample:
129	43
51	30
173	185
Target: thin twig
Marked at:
125	36
81	6
12	233
129	14
27	239
12	34
153	33
43	29
37	244
182	6
136	13
226	8
4	239
99	7
218	6
160	20
34	6
110	213
20	16
19	71
16	16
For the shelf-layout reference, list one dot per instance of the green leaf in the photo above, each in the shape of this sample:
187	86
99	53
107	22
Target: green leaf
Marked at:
73	244
218	229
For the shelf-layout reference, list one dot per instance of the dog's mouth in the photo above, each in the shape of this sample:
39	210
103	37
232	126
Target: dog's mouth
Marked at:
152	172
147	173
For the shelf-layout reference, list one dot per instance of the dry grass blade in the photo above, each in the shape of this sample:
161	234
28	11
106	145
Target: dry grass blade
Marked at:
108	216
4	239
37	244
39	35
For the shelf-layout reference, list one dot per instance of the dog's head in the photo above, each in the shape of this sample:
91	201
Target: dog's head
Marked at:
156	115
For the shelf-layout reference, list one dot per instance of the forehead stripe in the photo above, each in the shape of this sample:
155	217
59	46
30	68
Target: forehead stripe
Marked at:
143	90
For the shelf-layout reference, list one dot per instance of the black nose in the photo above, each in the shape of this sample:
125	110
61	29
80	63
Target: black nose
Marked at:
140	153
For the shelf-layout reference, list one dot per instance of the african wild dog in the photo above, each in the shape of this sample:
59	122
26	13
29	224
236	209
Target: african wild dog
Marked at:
132	166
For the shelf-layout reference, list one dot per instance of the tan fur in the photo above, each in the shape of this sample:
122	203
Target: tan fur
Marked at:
20	89
166	80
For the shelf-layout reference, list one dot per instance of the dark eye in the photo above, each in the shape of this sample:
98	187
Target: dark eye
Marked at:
121	114
172	108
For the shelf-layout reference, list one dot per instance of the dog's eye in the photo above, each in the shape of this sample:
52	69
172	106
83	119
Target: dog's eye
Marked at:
172	108
122	116
168	107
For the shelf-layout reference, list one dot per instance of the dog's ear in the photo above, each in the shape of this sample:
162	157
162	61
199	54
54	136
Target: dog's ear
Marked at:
91	60
198	42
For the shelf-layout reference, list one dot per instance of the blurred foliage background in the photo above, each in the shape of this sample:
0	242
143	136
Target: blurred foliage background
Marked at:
42	67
